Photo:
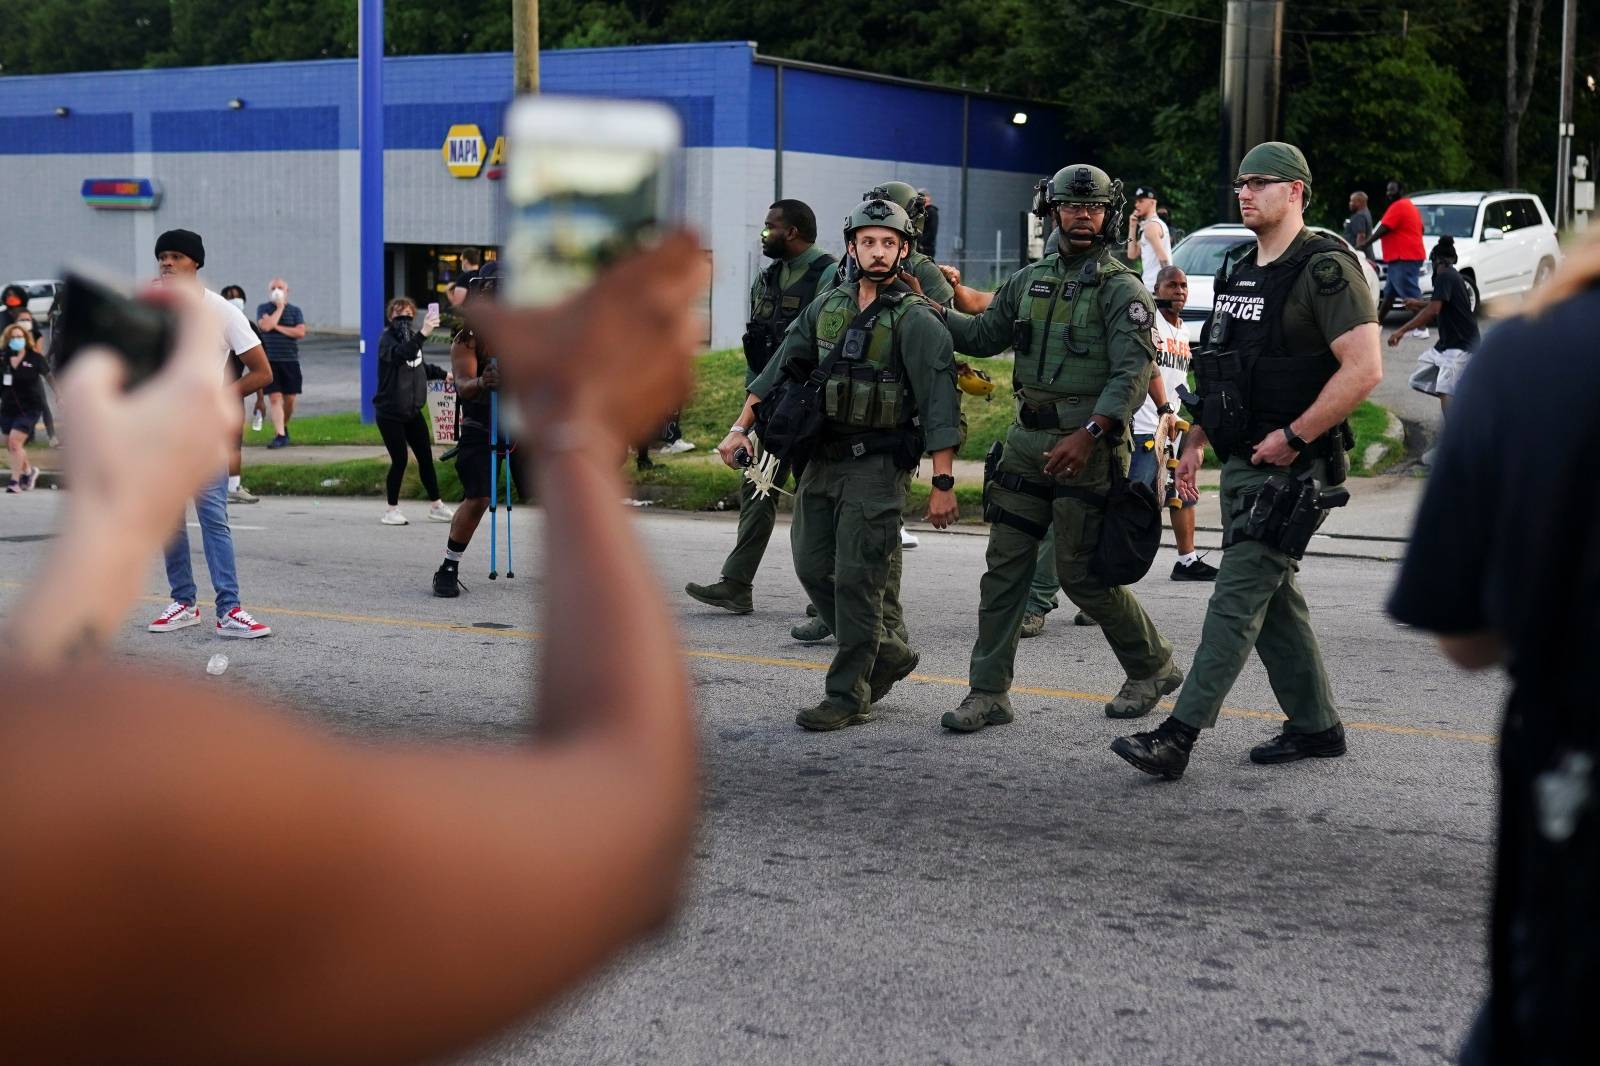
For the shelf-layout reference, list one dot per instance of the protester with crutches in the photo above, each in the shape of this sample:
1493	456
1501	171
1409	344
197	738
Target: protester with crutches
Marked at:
477	384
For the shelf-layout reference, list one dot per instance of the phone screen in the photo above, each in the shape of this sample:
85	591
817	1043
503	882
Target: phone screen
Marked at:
586	180
94	312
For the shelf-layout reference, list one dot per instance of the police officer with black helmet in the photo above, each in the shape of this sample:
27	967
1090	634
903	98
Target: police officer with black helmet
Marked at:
1290	349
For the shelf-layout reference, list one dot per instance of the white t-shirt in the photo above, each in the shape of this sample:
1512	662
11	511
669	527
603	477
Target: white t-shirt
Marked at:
1149	263
1172	360
233	329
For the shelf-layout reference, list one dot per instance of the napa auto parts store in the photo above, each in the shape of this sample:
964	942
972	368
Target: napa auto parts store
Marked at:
261	160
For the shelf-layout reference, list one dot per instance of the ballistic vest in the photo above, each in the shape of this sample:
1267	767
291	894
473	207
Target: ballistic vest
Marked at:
1061	327
1278	385
869	393
775	309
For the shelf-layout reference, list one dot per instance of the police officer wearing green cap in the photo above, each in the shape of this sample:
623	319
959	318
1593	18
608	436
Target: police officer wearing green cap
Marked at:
800	272
890	395
1080	323
1290	349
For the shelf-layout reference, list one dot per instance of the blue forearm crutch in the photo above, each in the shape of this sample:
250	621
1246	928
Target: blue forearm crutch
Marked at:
494	481
507	464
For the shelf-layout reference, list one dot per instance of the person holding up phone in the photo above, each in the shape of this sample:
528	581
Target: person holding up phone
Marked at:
23	372
180	254
403	377
213	880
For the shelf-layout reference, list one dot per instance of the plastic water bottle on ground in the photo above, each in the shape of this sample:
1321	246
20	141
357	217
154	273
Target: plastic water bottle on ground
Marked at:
216	664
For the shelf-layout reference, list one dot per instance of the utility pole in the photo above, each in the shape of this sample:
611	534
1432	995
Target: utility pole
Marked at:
1565	128
525	44
1252	47
369	141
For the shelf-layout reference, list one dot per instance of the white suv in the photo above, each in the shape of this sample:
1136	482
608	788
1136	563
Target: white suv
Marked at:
1505	243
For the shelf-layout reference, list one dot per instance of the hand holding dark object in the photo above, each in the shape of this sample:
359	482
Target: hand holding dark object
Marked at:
1069	455
490	378
912	283
732	446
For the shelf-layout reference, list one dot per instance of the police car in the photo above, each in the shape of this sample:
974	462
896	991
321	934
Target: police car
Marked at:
1199	255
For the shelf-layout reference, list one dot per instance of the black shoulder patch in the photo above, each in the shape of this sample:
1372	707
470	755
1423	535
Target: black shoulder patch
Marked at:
1139	314
1329	278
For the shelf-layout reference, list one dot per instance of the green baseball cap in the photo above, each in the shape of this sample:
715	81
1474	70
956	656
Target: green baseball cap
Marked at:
1276	159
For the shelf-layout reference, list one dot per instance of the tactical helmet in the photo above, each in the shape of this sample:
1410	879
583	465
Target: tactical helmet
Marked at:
878	212
898	192
1081	183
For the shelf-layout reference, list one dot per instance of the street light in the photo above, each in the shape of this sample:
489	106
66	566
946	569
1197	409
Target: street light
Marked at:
63	112
1019	119
236	103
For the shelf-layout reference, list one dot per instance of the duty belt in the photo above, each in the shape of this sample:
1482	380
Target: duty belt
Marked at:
1047	415
860	447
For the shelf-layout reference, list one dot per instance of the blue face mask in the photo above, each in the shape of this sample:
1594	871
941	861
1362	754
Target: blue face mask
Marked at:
16	344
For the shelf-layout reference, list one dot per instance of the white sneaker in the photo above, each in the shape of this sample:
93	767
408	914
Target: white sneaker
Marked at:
906	539
440	512
237	623
255	423
242	495
393	517
176	616
678	447
1420	334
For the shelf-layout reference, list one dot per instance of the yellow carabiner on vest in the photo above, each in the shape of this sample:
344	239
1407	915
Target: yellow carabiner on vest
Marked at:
974	382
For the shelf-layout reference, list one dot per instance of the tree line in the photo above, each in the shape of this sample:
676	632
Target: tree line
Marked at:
1448	93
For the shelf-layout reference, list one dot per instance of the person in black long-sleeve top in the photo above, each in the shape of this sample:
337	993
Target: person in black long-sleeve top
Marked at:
403	377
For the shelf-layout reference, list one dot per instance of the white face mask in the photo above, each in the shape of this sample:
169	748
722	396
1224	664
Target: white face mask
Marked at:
278	294
25	323
237	302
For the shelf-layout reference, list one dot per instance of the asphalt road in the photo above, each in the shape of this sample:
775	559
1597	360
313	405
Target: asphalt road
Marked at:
896	894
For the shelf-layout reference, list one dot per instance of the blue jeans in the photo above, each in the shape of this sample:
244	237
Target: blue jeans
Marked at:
211	507
1401	279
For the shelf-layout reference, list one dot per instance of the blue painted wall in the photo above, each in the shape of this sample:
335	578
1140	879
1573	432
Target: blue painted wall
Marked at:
724	98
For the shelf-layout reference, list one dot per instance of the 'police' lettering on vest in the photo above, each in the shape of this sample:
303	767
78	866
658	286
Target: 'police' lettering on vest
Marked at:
1240	307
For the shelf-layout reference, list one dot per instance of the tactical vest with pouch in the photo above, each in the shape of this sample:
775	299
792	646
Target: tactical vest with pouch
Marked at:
1248	383
775	309
1060	333
866	389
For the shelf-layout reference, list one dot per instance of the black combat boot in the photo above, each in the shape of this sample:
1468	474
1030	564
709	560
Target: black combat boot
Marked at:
1292	747
1162	752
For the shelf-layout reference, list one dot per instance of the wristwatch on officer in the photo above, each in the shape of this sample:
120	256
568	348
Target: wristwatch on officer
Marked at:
1094	429
944	482
1164	409
1296	442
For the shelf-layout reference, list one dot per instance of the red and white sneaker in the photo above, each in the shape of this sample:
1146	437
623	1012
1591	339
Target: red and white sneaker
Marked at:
176	616
238	624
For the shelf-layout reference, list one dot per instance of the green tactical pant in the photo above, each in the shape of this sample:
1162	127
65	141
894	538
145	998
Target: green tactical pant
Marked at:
846	537
757	516
1255	602
1013	554
1046	585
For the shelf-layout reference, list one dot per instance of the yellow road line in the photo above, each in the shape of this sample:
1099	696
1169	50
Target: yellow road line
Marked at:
800	664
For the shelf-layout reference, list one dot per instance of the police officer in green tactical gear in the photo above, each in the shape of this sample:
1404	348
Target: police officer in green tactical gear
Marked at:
1079	322
929	281
800	272
1290	349
889	395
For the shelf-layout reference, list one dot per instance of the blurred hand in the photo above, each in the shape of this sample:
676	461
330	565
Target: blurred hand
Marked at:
1394	338
1188	471
1166	431
490	378
912	283
113	449
951	274
617	356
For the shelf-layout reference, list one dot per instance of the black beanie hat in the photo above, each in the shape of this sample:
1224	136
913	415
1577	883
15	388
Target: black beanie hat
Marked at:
186	242
1444	248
